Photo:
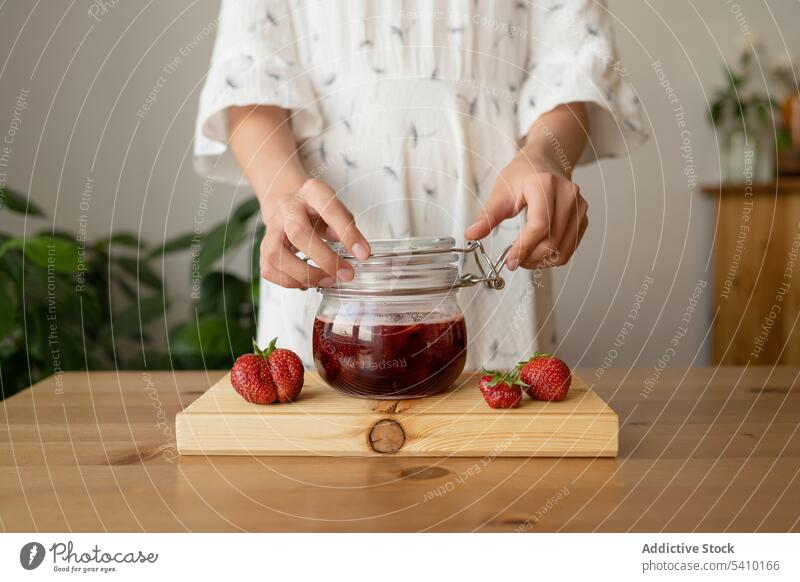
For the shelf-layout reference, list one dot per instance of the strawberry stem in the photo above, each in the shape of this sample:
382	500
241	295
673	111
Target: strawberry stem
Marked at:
511	378
270	348
264	353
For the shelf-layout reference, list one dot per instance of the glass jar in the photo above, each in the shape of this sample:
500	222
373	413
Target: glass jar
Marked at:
396	330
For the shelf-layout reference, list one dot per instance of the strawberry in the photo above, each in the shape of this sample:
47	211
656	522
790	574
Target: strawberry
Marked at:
286	370
268	375
251	379
545	376
500	390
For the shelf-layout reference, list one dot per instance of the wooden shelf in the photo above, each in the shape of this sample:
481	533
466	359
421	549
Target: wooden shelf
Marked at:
783	185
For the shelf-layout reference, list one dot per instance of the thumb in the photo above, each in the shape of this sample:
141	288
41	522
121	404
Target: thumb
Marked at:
499	207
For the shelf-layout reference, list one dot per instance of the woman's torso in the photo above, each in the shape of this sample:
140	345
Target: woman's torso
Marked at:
419	105
419	109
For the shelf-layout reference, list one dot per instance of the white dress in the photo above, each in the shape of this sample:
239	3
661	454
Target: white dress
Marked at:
409	109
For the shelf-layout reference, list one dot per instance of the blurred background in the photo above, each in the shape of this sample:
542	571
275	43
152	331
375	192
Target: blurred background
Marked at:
97	109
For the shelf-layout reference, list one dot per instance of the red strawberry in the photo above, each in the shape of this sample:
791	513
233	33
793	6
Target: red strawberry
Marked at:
500	390
546	377
268	376
251	379
286	370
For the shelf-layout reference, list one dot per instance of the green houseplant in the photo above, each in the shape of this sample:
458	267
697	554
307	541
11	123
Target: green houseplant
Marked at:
67	304
222	321
744	119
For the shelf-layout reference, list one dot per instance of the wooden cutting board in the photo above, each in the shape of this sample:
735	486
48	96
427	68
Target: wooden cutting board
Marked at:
323	422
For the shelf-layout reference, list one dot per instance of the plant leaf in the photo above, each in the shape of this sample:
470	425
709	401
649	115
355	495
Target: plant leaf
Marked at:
127	239
91	306
140	271
255	252
8	306
210	337
136	315
175	245
219	240
762	112
126	288
16	202
46	251
222	294
246	209
717	109
255	292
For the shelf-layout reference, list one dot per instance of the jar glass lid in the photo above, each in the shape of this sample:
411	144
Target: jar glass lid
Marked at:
420	245
418	265
401	267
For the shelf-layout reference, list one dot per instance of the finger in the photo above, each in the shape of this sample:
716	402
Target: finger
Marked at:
309	276
325	231
584	227
549	253
567	246
324	201
579	221
301	234
500	206
570	207
330	234
320	227
539	191
272	273
283	281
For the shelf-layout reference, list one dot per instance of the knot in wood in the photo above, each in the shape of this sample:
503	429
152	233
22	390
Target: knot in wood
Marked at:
386	436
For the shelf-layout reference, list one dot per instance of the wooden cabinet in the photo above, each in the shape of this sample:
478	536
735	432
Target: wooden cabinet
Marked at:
757	273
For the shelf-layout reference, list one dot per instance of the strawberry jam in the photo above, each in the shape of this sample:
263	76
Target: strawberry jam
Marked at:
390	360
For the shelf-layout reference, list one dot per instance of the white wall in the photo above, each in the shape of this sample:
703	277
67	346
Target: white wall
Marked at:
87	78
646	219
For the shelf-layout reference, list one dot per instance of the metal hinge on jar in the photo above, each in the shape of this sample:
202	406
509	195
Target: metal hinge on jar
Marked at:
493	279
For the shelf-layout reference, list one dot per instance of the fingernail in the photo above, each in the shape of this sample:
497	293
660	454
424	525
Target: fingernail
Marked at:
326	282
360	251
512	264
344	274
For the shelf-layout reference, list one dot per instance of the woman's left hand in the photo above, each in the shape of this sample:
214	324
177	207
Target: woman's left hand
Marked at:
555	217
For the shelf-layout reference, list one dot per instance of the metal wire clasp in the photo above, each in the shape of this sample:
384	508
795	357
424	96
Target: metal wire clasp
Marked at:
492	279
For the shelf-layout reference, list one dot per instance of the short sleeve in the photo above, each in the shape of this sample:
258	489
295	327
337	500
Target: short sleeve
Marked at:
256	61
572	58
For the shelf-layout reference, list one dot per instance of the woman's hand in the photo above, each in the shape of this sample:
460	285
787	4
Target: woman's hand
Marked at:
297	211
298	221
538	180
556	212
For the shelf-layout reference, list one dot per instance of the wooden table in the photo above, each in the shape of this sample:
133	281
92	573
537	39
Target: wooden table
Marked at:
705	449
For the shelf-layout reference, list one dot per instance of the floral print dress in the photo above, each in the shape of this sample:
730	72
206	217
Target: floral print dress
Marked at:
410	109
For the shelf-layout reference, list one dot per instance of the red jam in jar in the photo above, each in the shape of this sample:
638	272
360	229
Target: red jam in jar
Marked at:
396	330
401	360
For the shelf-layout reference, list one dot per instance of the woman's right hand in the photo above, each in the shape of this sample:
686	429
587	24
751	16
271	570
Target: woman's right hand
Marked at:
298	221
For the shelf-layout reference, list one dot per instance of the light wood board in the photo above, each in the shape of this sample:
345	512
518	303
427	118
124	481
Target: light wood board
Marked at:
323	422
